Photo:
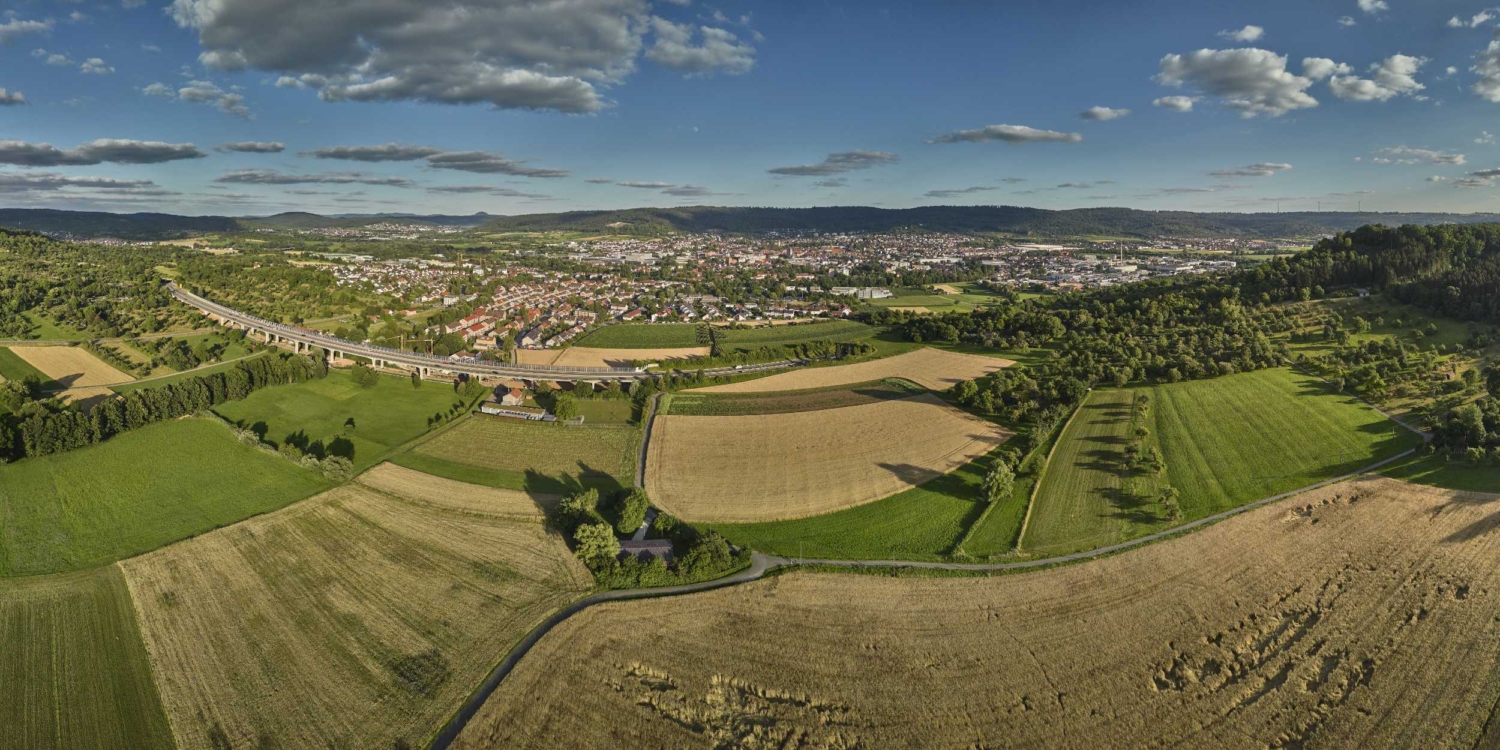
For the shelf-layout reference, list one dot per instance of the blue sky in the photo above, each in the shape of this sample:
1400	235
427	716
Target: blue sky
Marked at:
512	106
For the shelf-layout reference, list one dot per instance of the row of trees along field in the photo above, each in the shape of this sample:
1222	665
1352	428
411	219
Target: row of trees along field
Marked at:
40	428
100	291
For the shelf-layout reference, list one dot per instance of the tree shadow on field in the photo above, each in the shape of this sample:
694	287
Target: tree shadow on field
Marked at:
1476	529
1128	506
260	429
910	474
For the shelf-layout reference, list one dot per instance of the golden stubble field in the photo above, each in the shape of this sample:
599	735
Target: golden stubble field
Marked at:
449	494
70	365
354	619
933	369
1366	614
582	356
782	466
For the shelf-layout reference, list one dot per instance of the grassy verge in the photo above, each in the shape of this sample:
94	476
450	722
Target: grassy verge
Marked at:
1438	472
12	367
811	399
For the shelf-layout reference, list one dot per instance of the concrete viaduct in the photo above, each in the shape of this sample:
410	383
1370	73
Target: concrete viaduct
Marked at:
306	341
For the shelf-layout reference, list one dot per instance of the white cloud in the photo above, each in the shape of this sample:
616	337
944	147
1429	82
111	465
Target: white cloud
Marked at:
11	98
251	147
1485	138
203	92
150	48
377	153
1474	22
1103	114
1007	134
720	51
951	192
1390	78
1318	68
112	150
1347	21
272	177
1487	67
1437	178
838	163
1253	81
52	58
1374	7
479	162
1246	34
1484	178
13	182
95	66
1175	103
1263	169
1409	155
512	54
15	28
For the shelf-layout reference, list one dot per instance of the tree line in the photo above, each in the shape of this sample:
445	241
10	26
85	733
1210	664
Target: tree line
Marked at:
41	428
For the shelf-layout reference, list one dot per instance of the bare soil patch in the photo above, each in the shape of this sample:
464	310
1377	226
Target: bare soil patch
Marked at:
792	465
931	368
354	619
1366	614
70	366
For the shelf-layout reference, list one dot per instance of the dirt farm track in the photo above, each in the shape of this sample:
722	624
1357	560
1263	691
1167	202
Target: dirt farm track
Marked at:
1350	616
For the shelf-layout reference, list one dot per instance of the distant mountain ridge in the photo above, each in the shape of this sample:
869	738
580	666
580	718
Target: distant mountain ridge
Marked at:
1032	222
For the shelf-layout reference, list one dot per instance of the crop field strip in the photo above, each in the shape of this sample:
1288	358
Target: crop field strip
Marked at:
70	366
1346	617
355	619
784	466
582	356
74	670
682	335
136	492
1226	442
934	369
12	367
546	458
456	496
693	403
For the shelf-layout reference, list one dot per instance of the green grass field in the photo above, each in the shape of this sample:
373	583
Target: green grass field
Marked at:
826	330
75	672
812	399
1226	441
137	492
12	367
46	329
384	416
936	302
538	457
922	523
605	411
642	336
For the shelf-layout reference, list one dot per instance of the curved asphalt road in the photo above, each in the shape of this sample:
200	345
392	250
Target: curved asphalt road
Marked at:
760	564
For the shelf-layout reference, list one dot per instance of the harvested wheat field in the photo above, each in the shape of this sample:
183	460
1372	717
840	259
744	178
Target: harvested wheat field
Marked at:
929	368
70	366
782	466
922	310
583	356
947	289
449	494
1363	615
354	619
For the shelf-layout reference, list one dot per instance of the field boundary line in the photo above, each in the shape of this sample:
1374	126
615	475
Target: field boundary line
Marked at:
761	564
1042	474
646	421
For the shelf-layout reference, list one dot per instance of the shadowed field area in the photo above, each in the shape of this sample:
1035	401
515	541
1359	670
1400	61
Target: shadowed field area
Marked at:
1363	615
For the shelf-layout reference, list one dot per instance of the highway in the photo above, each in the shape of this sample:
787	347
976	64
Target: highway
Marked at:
425	362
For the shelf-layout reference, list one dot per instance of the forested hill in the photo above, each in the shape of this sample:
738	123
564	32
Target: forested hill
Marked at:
1113	222
94	224
1450	270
